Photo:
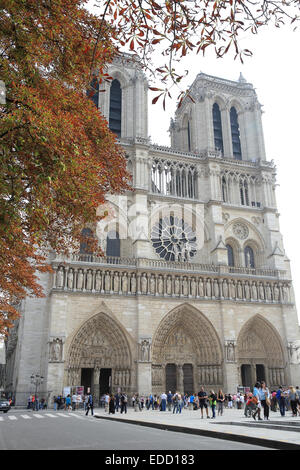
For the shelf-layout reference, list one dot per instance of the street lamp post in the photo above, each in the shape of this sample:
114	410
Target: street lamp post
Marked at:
36	380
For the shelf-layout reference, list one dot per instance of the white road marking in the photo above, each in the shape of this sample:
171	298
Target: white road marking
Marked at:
37	416
12	417
26	417
50	415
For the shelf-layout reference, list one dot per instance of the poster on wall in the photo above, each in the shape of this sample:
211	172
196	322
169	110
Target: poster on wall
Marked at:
66	391
80	390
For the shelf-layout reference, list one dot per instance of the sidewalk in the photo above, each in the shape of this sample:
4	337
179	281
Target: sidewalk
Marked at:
278	433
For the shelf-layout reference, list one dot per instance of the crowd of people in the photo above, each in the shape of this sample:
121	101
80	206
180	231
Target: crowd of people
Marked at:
211	404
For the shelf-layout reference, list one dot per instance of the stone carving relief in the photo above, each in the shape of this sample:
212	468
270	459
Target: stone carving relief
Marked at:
147	283
145	350
240	230
230	347
294	352
55	350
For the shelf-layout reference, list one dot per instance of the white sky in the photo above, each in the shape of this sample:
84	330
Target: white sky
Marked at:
274	71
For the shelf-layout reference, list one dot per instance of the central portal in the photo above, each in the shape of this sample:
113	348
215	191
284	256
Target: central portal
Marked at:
179	378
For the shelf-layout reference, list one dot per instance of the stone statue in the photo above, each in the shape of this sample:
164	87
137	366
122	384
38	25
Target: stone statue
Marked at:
56	350
124	284
60	277
261	291
116	282
225	289
177	286
230	351
201	288
160	285
169	285
276	293
216	288
239	290
254	291
133	284
193	287
89	280
247	290
80	279
107	281
208	288
98	281
145	350
70	278
185	287
143	284
152	284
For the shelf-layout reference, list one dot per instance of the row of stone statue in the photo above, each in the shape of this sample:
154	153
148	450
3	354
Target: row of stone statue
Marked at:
169	285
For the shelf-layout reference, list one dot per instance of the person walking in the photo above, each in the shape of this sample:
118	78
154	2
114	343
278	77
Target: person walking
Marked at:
256	402
124	403
90	405
74	400
68	403
293	400
202	397
106	399
220	402
281	400
213	403
117	401
264	396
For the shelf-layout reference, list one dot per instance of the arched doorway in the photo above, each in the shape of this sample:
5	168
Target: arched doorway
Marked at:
186	353
99	357
260	354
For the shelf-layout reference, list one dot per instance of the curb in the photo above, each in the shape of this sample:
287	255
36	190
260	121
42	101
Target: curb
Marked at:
270	443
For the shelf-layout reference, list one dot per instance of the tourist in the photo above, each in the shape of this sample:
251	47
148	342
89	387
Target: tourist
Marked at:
169	401
213	403
264	396
220	402
256	402
74	399
111	405
68	403
229	401
249	405
106	402
123	403
293	400
176	402
117	401
90	405
281	400
202	397
163	400
191	401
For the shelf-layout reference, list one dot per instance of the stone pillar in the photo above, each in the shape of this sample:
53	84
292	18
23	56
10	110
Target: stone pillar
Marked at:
96	387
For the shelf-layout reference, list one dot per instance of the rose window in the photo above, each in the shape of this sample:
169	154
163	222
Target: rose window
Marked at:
173	239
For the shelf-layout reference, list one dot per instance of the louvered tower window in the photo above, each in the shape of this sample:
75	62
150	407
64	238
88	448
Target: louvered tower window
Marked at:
217	123
115	108
235	134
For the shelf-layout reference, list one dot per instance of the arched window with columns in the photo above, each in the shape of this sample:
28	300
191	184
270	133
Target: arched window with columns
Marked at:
217	124
230	255
115	107
235	134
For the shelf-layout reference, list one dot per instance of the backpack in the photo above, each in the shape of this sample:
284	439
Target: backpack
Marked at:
254	400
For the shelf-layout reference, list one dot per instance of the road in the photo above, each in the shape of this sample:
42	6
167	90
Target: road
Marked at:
62	430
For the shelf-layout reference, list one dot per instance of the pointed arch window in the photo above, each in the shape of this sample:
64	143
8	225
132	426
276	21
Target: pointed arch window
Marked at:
235	134
230	255
113	244
217	124
249	257
115	107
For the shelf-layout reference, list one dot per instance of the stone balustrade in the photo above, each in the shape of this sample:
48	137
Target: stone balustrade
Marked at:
179	280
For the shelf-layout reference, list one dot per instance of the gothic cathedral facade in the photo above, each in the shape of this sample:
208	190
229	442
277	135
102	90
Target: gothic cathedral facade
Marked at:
194	287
